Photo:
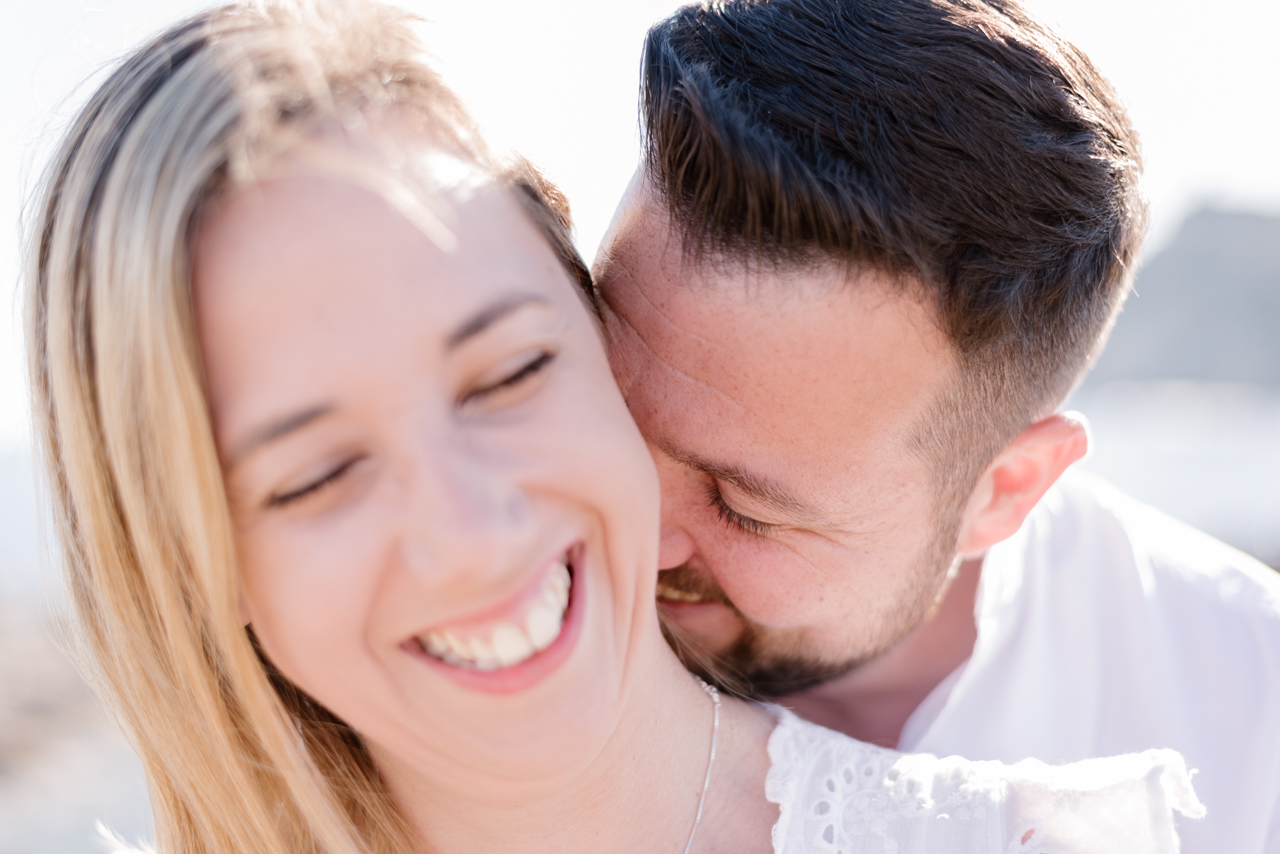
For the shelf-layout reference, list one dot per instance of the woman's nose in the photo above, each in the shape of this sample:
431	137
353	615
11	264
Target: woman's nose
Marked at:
465	514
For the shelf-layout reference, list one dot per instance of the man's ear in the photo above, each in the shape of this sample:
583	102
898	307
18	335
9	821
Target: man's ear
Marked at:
1018	478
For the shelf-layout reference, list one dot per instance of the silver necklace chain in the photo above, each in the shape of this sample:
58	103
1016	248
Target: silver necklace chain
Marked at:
711	760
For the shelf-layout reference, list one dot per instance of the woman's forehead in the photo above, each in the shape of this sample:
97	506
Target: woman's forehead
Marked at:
421	178
303	280
311	233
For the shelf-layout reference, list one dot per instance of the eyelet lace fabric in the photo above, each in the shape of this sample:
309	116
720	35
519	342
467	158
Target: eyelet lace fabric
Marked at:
843	796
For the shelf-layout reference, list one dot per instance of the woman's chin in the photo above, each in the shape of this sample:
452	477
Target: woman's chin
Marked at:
546	716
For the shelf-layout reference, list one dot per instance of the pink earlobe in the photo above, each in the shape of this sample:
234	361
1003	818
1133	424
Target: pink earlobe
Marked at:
1019	477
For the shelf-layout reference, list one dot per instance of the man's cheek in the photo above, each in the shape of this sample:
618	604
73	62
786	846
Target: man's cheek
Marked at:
772	585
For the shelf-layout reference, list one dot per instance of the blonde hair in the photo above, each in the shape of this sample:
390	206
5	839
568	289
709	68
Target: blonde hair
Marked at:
237	759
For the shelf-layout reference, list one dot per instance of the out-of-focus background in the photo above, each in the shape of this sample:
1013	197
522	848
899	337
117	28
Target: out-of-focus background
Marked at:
1184	404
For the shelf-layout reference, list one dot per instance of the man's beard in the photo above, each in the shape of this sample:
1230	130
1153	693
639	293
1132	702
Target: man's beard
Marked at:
766	663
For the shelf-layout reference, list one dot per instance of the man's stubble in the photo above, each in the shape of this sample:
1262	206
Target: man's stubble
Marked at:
765	662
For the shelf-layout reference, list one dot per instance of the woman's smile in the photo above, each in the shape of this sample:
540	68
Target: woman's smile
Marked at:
516	643
525	626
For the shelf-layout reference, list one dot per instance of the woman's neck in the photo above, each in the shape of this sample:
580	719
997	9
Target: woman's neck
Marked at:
639	794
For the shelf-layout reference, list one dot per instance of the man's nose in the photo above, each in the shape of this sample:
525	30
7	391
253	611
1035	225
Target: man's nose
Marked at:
675	547
680	495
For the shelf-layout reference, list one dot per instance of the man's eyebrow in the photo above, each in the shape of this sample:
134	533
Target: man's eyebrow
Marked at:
277	429
761	489
488	316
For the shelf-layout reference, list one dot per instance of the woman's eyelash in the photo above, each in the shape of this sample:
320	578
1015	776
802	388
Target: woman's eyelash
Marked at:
733	518
537	364
531	368
315	486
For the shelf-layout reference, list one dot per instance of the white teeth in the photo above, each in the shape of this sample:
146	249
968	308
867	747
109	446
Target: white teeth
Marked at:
560	581
508	643
457	645
673	595
542	625
482	651
436	644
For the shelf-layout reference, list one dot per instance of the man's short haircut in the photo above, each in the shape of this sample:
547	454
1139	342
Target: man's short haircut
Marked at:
957	143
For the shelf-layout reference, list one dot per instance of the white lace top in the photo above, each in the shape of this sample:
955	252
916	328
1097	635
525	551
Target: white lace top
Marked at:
836	794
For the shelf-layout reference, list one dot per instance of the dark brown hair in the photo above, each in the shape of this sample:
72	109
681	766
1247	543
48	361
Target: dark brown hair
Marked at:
957	142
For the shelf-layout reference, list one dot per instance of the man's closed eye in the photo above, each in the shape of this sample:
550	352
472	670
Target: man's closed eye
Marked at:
732	518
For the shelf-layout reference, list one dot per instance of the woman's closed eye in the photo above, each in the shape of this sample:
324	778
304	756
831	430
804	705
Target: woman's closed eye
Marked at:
511	385
732	518
313	487
516	380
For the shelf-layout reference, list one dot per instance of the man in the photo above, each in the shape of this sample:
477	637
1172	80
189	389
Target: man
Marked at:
870	250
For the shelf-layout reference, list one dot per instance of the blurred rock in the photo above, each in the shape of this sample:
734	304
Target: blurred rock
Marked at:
1205	308
1205	453
1184	402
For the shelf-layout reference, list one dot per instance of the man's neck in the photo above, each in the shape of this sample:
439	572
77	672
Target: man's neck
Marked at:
873	702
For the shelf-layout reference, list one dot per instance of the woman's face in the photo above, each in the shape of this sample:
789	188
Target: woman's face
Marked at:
446	519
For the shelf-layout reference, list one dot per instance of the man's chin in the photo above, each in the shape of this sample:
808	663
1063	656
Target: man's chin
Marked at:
713	626
772	680
718	644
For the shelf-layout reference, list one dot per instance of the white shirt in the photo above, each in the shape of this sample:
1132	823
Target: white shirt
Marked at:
1105	627
838	795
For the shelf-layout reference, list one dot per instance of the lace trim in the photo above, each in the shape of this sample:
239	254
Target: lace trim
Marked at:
835	794
832	790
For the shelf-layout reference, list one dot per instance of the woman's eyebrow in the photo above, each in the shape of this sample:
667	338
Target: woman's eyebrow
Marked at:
488	316
277	429
470	328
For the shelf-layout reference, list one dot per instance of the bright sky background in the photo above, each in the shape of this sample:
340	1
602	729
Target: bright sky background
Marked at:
557	81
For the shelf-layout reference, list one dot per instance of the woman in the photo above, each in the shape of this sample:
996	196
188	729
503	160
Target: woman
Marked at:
360	536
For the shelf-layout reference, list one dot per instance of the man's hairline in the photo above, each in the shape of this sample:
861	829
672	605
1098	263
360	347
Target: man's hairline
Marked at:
644	193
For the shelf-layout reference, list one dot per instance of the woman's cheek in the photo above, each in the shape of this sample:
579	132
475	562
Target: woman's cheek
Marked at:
309	590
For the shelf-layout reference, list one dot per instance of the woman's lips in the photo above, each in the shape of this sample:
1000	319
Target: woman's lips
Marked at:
483	638
529	627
